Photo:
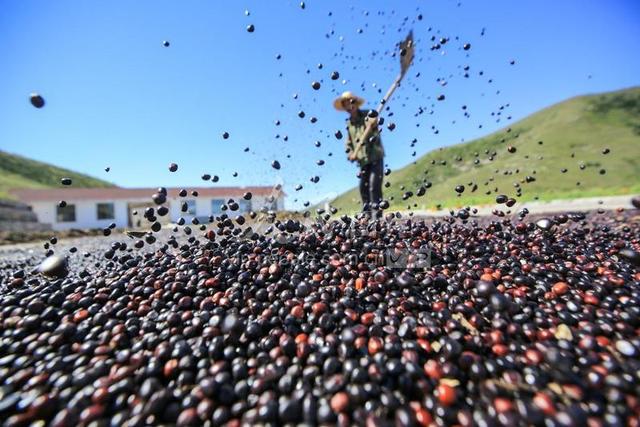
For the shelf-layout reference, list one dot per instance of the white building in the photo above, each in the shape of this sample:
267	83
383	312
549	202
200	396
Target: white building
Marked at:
99	207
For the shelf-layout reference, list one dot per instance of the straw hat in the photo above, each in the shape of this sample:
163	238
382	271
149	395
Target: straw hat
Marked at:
347	96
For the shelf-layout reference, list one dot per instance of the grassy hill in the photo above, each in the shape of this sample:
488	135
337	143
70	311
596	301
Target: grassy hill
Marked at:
20	172
573	133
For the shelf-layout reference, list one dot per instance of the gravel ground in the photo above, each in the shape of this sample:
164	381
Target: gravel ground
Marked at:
557	206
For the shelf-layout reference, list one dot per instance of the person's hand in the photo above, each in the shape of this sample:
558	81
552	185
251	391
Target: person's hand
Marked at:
352	157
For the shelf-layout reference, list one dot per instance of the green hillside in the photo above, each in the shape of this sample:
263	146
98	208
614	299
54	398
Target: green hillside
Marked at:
573	133
20	172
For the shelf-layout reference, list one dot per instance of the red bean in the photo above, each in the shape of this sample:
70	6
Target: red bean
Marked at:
340	402
446	394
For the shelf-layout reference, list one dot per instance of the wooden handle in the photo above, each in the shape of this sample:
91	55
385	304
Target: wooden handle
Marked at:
387	96
384	101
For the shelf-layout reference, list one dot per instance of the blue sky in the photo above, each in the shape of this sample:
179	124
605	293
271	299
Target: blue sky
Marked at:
116	97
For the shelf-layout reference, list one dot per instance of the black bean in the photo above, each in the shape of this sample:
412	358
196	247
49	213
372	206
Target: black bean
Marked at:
36	100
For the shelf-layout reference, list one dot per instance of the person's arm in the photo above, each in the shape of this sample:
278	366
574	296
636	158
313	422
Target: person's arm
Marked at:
372	124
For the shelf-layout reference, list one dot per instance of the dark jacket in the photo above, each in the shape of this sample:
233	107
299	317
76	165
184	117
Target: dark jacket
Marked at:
372	150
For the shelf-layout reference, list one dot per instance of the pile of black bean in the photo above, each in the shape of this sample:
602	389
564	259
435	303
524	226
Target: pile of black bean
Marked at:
337	322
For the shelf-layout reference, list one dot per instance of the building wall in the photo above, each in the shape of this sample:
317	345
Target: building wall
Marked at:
204	206
87	215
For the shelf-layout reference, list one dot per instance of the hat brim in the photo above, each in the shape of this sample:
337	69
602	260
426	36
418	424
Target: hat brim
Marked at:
338	103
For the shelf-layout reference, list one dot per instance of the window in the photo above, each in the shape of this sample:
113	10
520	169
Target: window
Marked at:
271	203
106	211
216	205
66	214
191	207
245	206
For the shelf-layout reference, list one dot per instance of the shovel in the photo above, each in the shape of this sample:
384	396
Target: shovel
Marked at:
407	49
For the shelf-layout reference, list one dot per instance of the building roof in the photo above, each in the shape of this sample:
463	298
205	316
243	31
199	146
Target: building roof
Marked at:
116	193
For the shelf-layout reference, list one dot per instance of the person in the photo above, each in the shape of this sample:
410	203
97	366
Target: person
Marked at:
367	150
